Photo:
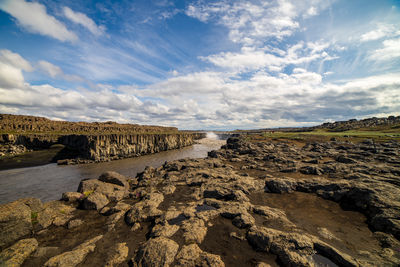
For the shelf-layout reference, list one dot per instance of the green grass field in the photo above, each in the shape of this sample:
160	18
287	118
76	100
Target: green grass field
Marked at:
378	135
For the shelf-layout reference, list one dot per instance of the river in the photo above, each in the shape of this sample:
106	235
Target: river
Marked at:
48	182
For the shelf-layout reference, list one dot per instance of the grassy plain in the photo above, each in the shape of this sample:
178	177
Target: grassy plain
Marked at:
378	134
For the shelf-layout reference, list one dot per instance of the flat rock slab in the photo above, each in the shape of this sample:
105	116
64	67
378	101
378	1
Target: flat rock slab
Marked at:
15	222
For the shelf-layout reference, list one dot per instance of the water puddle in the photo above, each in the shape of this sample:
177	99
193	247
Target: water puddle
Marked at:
177	220
182	195
204	207
321	261
345	230
180	218
234	252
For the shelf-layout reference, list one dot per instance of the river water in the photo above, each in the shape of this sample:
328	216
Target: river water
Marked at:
48	182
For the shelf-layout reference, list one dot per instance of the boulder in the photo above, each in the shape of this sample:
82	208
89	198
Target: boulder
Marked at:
312	170
112	191
74	257
244	220
114	178
156	252
146	209
165	230
192	256
15	222
194	230
17	253
292	249
219	192
95	201
72	196
117	255
287	185
54	212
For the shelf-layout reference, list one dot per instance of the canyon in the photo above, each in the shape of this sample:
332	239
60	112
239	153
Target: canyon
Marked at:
89	142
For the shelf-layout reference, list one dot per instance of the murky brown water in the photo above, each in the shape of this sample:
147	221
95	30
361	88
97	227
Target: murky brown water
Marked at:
348	229
48	182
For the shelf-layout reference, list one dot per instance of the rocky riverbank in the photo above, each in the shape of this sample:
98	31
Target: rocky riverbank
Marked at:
264	203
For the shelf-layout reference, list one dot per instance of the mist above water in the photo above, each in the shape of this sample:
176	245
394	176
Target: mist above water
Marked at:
212	135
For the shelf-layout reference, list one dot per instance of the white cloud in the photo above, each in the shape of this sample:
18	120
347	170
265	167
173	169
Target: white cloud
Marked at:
251	21
56	72
382	31
85	21
33	17
49	68
10	77
390	51
201	83
14	59
11	66
258	58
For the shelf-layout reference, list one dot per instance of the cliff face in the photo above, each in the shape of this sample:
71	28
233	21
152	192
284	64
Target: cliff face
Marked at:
92	141
108	146
116	146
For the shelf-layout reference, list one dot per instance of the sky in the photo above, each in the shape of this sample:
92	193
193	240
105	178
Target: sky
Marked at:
213	65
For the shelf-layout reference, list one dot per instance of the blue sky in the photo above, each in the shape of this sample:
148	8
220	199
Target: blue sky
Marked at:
201	64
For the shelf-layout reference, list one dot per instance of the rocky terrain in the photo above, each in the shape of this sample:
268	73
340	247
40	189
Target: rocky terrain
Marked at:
251	203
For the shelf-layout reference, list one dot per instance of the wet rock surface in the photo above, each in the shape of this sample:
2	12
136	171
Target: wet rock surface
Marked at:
248	204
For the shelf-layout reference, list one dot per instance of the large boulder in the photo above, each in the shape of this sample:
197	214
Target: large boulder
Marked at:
17	253
114	178
194	230
112	191
157	252
117	255
286	185
15	222
54	212
192	256
95	201
146	209
75	256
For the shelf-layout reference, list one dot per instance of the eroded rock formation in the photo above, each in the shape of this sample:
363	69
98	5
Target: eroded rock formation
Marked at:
91	141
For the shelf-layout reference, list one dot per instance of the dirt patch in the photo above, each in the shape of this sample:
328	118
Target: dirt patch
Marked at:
233	251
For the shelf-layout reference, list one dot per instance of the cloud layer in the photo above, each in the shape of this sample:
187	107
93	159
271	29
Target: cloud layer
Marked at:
268	67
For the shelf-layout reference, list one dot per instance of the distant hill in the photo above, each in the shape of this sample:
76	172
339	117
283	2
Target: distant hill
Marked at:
341	126
31	124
